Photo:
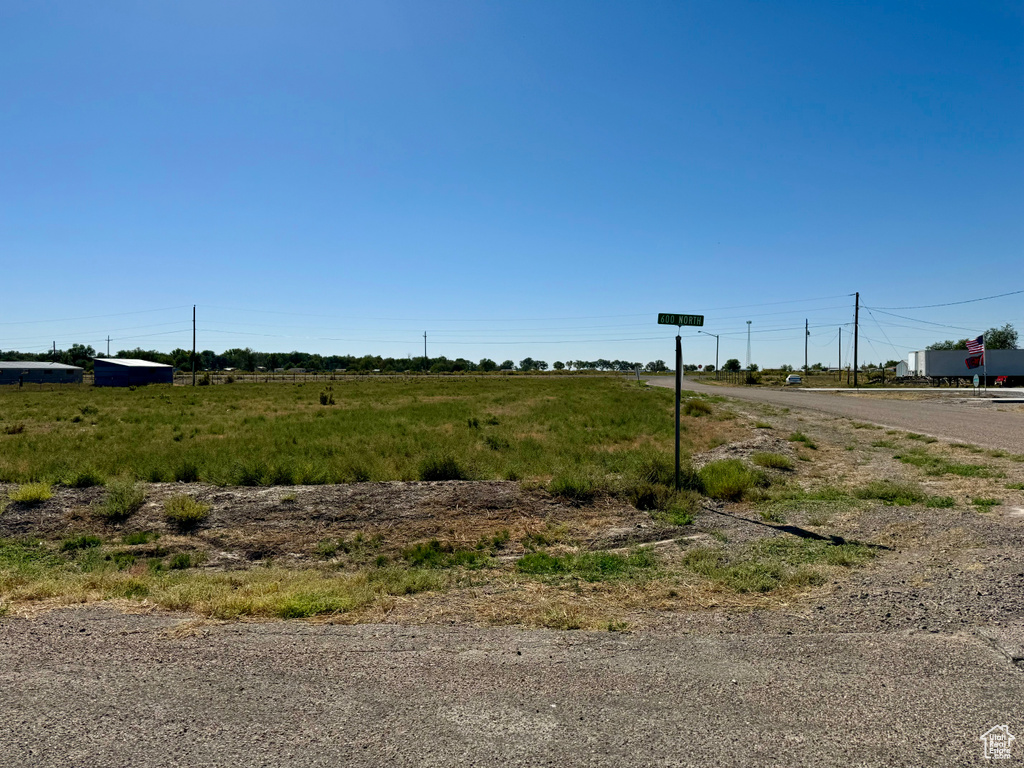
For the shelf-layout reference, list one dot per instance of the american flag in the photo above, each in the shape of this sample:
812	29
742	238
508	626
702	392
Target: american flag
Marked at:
976	346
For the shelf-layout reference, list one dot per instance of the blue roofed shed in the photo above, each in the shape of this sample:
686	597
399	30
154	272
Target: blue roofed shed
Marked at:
25	371
125	372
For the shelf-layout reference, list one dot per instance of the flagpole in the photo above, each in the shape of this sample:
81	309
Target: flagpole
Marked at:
984	362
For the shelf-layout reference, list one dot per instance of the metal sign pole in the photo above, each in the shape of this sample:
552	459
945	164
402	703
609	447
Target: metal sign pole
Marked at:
679	382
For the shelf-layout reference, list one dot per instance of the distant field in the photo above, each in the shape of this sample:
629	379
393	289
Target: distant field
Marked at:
385	429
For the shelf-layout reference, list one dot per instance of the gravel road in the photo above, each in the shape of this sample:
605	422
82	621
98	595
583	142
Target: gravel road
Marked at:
977	423
94	687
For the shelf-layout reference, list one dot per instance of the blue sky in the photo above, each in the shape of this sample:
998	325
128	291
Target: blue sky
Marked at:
513	178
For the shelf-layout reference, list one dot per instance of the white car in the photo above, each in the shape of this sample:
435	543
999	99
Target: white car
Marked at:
794	379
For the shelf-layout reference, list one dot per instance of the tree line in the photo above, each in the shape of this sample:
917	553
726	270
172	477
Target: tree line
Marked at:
251	360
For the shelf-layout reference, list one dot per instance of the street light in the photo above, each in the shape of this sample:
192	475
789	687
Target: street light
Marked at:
748	344
716	349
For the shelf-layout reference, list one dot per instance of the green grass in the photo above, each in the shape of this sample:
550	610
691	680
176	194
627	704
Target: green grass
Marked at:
937	465
31	493
986	504
1015	486
922	438
893	493
772	461
731	479
379	429
693	407
185	512
34	570
435	554
589	566
773	563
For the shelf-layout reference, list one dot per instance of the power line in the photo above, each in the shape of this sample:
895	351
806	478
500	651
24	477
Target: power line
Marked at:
955	303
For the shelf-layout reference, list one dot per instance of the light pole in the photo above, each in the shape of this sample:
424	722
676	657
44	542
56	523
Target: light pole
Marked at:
748	344
716	349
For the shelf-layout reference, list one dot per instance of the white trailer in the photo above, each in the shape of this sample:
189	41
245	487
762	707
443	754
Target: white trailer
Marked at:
952	364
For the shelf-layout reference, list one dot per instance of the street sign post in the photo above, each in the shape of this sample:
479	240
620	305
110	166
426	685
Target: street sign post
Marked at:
670	318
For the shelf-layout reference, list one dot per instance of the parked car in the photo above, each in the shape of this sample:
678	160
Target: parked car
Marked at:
794	379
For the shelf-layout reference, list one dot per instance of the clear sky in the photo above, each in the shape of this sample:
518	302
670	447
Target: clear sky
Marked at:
514	178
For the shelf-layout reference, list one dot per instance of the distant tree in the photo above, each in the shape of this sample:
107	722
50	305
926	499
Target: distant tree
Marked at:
558	365
995	338
709	368
487	365
753	368
689	367
732	365
656	366
786	368
507	365
892	363
540	365
527	364
1001	338
816	367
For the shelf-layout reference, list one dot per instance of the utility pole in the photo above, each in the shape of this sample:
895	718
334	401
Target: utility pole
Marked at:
193	345
807	334
748	345
55	351
839	367
716	349
426	360
856	333
108	346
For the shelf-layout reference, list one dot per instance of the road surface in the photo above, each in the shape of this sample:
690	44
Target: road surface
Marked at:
93	687
980	424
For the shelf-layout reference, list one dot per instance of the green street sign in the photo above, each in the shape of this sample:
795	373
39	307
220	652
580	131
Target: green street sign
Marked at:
666	318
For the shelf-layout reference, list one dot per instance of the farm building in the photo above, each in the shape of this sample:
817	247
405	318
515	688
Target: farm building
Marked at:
123	372
24	371
952	364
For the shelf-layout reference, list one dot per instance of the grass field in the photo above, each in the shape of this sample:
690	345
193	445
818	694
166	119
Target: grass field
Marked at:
584	431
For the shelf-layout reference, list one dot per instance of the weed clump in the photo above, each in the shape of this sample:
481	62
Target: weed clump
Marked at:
434	554
31	494
772	461
892	493
84	478
327	396
83	541
185	512
124	497
588	566
445	467
696	408
731	479
800	437
574	488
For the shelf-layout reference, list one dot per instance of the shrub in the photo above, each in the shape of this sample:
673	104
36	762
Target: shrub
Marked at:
141	537
31	493
124	497
327	397
731	479
204	380
772	460
185	512
441	468
14	429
